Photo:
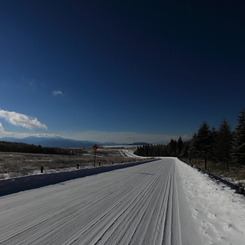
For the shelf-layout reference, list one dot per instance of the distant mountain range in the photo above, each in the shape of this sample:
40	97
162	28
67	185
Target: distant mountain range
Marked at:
61	142
140	143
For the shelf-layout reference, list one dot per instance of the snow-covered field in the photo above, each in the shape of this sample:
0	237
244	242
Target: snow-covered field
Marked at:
159	202
130	153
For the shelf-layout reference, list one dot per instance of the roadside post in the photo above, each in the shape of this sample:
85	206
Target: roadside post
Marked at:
95	147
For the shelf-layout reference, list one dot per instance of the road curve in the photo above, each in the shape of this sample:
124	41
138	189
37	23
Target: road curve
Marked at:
138	205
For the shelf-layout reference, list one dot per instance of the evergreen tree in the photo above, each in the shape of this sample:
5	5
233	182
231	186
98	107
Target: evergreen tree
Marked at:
172	146
179	146
223	143
192	151
239	140
213	142
203	142
185	149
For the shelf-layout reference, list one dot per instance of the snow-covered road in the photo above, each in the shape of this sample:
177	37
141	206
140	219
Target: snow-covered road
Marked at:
144	204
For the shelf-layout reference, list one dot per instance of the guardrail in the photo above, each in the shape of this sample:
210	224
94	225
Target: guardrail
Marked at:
9	186
238	189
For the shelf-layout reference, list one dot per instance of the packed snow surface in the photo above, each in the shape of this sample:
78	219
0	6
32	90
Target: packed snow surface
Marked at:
159	202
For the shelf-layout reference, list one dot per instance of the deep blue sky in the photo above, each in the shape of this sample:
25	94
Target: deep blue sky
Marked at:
120	71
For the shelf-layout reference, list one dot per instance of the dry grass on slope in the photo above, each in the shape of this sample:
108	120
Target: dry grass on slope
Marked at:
13	164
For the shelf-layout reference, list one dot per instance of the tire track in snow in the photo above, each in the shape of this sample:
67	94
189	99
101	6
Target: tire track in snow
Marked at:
136	205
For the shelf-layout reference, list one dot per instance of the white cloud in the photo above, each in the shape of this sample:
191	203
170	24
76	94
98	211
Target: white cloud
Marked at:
22	120
57	93
30	81
1	127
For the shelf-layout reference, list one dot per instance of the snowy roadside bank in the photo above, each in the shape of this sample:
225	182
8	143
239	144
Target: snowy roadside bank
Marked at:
217	210
227	181
8	186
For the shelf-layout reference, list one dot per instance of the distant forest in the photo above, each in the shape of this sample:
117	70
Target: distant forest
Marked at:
210	144
28	148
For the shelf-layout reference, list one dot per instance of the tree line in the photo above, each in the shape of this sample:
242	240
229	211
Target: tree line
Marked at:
210	144
30	148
